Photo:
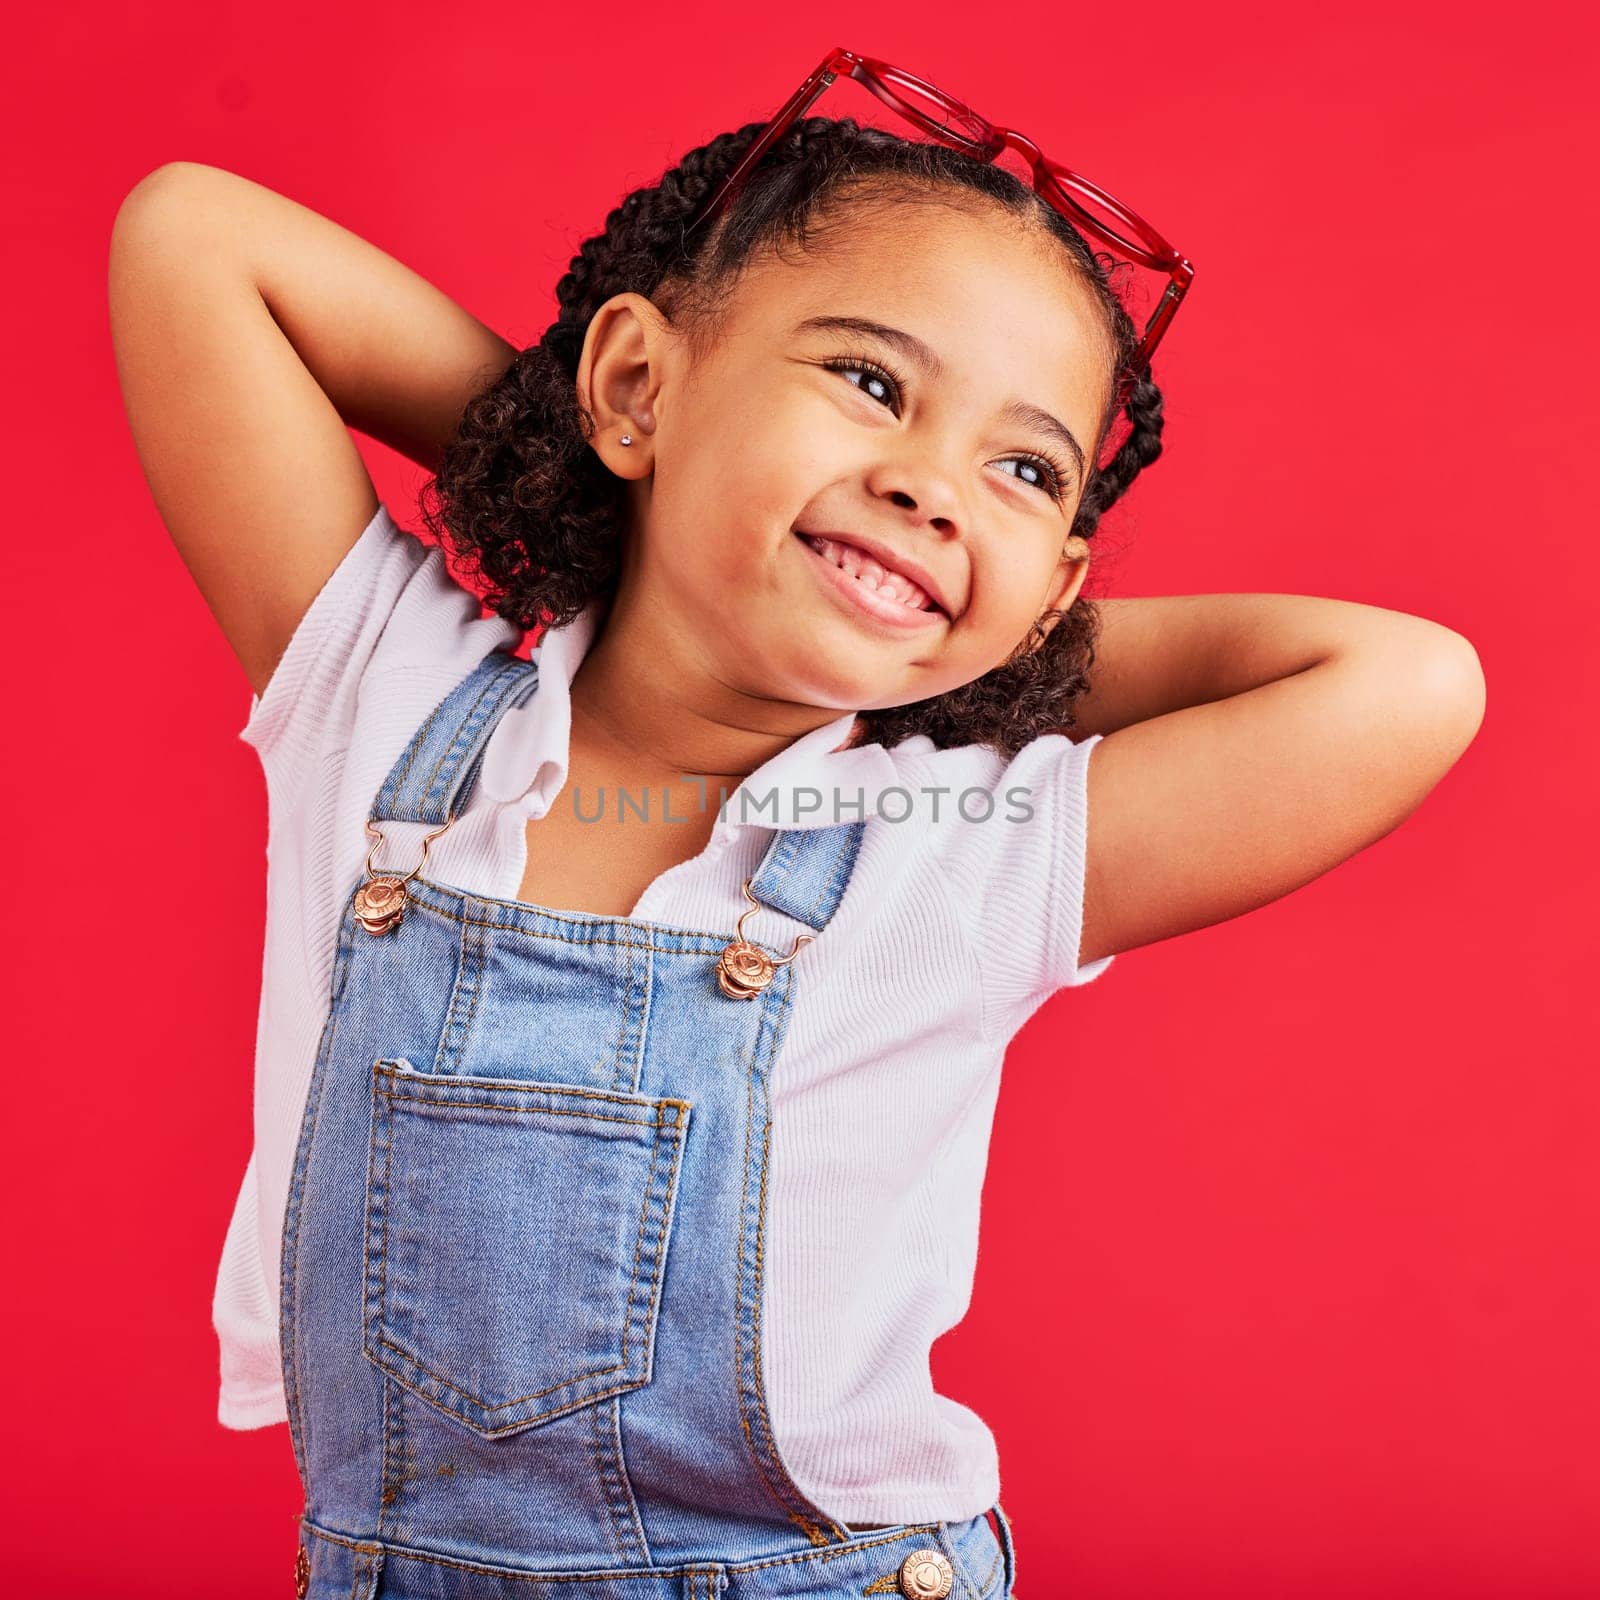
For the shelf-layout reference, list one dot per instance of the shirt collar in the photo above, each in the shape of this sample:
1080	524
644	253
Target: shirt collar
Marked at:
810	783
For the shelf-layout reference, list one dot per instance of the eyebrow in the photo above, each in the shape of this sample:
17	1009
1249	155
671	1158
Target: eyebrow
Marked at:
926	357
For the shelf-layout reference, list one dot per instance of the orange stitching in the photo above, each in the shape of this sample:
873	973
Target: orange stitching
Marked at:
600	1471
782	1488
627	989
419	739
638	1243
417	743
290	1334
528	1086
473	964
366	1314
496	679
761	1229
710	943
983	1588
836	1553
520	1111
383	1247
405	1553
843	859
594	1434
738	1251
516	1423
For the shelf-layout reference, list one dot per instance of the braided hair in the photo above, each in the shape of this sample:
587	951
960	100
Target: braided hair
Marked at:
534	513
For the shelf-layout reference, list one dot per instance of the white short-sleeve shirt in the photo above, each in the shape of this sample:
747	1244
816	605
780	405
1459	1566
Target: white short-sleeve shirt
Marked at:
962	917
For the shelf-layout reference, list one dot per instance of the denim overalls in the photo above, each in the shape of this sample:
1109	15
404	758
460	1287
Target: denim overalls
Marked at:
522	1251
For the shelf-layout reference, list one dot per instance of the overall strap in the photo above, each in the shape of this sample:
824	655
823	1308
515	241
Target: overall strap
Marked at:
434	774
806	870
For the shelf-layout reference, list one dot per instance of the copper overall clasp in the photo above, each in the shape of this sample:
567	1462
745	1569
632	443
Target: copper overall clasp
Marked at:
381	900
743	969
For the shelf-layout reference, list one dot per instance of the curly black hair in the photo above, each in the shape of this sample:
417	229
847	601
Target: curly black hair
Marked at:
523	503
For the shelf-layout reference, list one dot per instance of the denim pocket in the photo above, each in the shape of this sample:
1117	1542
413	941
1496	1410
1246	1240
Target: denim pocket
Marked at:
516	1235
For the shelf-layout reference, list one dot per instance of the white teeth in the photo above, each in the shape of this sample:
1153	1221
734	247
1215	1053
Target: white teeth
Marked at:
873	573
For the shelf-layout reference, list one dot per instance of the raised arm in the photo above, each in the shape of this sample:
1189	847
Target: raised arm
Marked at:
1253	741
250	334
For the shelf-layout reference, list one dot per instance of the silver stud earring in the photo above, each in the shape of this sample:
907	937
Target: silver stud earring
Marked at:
627	438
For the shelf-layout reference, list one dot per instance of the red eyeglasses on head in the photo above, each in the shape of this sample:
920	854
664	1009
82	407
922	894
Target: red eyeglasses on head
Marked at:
957	125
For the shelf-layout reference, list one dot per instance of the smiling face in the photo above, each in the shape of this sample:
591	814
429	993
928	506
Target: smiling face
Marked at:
921	387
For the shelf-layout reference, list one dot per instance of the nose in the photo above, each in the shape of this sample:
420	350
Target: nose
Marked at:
917	480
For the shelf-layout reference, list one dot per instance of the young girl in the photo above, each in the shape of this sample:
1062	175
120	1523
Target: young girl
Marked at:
633	1013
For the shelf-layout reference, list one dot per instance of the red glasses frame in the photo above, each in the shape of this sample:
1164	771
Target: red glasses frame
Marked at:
977	137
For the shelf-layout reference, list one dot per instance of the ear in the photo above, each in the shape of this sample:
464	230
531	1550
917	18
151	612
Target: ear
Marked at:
626	351
1067	579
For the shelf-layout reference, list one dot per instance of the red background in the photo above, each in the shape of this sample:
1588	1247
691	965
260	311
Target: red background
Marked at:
1288	1282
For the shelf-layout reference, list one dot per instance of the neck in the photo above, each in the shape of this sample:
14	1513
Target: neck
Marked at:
646	697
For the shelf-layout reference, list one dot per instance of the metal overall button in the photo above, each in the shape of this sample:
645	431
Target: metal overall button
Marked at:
926	1575
744	969
381	900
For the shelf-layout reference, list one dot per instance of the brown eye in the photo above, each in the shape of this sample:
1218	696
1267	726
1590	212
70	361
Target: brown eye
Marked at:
1055	478
879	375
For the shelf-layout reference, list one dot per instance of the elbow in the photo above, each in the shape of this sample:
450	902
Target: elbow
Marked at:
170	184
139	202
1450	684
159	181
152	227
169	175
